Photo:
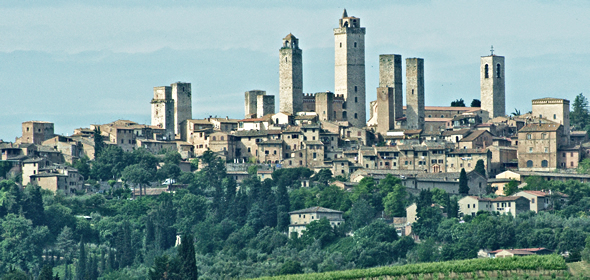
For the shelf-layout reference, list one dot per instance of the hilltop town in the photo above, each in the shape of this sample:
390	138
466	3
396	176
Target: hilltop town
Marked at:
397	184
427	146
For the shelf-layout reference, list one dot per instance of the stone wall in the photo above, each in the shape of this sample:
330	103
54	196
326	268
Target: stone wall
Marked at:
415	93
492	85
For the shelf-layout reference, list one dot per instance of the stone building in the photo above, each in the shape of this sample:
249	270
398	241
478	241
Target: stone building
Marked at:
493	96
301	218
513	205
265	104
414	93
538	146
183	108
290	76
389	92
349	70
163	111
35	132
556	110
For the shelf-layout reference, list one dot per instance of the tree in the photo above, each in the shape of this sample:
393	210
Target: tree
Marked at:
33	209
283	206
81	265
395	202
511	188
480	168
361	214
463	182
188	263
137	175
290	267
458	103
516	113
21	244
579	117
475	103
46	273
98	142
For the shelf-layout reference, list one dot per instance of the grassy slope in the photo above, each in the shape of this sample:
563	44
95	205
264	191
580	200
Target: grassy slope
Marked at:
453	269
579	269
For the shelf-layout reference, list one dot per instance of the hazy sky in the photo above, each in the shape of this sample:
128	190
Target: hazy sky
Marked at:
75	63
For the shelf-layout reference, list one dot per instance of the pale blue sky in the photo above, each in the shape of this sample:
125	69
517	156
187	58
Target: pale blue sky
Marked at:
76	63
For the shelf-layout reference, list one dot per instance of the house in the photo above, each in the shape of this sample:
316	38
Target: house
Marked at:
470	205
541	200
503	253
301	218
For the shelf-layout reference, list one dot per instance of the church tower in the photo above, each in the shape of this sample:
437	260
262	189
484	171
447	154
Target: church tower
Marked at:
414	93
493	95
290	76
349	70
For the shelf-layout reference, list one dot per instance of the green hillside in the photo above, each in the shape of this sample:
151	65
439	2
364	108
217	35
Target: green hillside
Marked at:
550	266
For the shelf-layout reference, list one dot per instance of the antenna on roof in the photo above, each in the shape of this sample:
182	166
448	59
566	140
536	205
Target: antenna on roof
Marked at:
492	50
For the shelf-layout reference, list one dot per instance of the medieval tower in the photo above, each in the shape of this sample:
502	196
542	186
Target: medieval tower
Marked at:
414	93
183	108
389	92
349	70
493	95
163	111
291	76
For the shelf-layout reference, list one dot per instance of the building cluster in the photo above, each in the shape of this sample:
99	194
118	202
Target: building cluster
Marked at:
425	146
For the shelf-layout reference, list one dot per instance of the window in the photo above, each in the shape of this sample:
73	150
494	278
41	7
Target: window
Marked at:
533	200
554	116
544	163
468	205
359	134
355	44
528	136
498	70
486	71
356	100
355	89
544	136
214	138
221	138
355	115
546	150
529	163
530	149
341	44
563	155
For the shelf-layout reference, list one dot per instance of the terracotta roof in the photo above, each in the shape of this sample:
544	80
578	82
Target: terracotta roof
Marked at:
443	108
474	135
533	127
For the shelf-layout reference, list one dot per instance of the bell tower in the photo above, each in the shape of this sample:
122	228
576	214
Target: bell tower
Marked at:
492	81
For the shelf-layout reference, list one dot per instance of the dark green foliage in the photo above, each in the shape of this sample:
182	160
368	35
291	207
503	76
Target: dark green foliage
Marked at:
33	205
186	253
290	177
83	166
475	103
290	267
323	176
463	183
579	116
81	265
511	188
480	168
46	273
98	142
458	103
320	230
361	214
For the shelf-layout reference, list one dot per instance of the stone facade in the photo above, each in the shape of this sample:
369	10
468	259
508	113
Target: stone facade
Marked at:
265	104
183	108
415	93
163	111
251	101
553	109
389	92
324	106
35	132
538	146
493	95
290	76
349	70
301	218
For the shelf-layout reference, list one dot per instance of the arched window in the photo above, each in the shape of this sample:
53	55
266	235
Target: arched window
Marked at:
355	44
213	138
486	71
529	163
222	138
344	105
344	115
341	44
498	70
544	163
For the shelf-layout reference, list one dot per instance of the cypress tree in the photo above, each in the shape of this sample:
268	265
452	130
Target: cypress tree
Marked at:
188	262
46	273
34	209
81	266
463	186
283	206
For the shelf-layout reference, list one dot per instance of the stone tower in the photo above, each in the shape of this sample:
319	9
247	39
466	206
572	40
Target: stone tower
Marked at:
349	70
493	95
414	93
389	92
163	111
324	106
265	104
251	101
290	76
183	108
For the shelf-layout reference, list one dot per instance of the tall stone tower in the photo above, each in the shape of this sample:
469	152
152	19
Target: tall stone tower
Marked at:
349	70
493	95
389	92
163	111
324	106
265	104
251	101
414	93
290	76
183	108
